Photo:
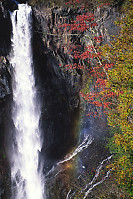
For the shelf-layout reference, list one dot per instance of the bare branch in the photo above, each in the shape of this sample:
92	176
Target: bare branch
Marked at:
99	61
100	182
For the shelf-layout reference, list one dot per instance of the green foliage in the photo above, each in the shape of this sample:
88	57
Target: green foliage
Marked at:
121	82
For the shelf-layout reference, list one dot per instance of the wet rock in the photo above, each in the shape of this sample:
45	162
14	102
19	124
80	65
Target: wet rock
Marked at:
4	77
105	19
6	29
58	88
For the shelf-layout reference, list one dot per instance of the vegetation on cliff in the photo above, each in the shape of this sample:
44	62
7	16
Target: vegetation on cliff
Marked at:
109	67
107	82
90	3
121	83
115	90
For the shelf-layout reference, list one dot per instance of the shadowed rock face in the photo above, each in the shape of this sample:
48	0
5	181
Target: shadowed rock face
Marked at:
58	91
59	99
5	46
5	31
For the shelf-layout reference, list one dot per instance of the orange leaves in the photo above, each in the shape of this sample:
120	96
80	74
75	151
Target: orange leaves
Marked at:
97	103
88	17
108	66
98	39
94	114
100	82
108	85
106	104
76	55
104	4
85	54
81	23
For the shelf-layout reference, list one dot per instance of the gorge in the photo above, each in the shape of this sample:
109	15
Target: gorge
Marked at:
49	147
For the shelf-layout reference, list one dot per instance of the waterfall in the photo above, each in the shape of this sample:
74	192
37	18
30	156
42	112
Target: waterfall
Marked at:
25	173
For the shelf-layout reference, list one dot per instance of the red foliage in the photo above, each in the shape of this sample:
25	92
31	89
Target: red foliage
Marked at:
98	39
81	23
104	4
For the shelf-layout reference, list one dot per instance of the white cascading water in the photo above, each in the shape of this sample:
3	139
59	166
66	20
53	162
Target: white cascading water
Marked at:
26	177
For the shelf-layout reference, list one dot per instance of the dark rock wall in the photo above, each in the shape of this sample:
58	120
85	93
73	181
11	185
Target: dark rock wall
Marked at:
58	88
5	31
5	93
57	91
58	94
5	46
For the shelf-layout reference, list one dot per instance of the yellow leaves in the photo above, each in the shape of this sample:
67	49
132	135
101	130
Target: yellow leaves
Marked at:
117	139
121	83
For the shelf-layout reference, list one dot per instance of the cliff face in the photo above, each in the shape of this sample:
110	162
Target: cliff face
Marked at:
5	91
58	88
5	33
5	45
61	87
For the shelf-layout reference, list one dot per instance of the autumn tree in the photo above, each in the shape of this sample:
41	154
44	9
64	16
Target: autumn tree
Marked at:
111	69
120	82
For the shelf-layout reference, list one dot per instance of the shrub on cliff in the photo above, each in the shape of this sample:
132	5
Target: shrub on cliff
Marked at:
121	82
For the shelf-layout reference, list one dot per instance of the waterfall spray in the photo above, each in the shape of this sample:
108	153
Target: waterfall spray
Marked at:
26	176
